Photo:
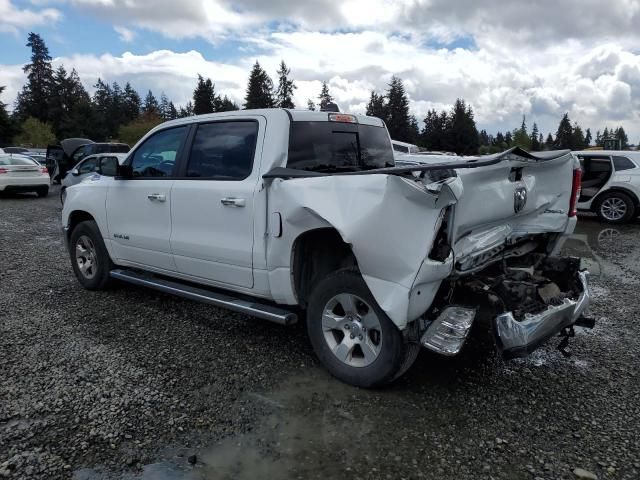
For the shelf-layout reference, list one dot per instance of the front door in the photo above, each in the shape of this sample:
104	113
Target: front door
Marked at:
139	208
212	203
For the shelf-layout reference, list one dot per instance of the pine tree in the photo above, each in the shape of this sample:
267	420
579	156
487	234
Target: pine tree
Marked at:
172	112
564	135
325	97
259	90
150	108
521	137
163	107
310	105
461	133
484	138
69	107
376	106
101	103
397	108
534	141
225	104
204	97
284	93
549	144
508	139
587	138
623	139
577	138
35	97
7	127
131	103
434	131
500	142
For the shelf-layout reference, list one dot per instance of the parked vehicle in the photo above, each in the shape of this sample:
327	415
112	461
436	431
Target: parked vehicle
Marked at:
272	212
610	184
100	164
403	147
62	157
19	173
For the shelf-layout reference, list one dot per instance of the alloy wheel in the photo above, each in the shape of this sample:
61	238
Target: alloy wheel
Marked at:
613	209
86	257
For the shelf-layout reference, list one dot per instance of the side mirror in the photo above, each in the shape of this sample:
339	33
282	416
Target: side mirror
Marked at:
124	172
75	172
108	167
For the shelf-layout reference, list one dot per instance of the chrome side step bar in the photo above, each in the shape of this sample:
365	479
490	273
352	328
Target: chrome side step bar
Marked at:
265	312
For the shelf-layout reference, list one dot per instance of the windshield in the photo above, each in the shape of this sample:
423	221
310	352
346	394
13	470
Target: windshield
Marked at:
11	160
331	146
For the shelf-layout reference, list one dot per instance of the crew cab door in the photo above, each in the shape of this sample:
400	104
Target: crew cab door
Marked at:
212	202
139	208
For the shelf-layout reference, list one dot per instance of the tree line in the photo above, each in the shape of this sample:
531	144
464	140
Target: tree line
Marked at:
54	104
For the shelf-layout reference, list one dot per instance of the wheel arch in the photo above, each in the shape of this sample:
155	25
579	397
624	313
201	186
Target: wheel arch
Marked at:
626	191
315	254
76	217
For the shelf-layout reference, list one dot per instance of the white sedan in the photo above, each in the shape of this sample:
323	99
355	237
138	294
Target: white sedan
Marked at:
19	173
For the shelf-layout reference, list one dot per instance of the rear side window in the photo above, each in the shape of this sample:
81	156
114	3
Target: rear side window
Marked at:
334	146
623	163
156	157
223	150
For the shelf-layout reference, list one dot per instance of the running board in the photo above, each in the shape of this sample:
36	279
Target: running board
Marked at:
265	312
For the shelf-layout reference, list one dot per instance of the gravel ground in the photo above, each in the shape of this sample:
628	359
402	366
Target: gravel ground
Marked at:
137	385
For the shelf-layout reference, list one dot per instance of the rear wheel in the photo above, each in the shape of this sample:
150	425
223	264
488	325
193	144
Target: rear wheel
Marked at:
42	192
89	257
352	336
615	207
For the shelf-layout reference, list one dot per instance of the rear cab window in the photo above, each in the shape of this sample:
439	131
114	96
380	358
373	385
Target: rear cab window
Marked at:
326	146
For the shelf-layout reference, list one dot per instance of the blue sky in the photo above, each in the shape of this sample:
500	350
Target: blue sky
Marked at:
507	59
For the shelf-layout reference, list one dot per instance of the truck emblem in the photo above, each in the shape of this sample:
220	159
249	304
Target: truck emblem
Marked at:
519	199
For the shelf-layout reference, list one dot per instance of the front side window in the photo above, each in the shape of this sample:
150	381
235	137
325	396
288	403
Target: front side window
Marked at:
88	166
223	150
623	163
400	148
156	157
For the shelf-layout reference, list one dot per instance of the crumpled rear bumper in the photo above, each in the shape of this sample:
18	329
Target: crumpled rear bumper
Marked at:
519	339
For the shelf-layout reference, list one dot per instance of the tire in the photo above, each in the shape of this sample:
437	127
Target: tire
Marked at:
343	317
63	195
89	257
615	207
42	192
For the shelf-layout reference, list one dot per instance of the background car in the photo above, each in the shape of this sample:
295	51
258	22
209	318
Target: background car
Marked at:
91	165
19	173
610	184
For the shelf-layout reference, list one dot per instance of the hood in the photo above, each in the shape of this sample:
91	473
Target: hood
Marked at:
69	145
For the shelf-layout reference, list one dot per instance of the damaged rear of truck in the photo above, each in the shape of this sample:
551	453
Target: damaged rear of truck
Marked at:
387	260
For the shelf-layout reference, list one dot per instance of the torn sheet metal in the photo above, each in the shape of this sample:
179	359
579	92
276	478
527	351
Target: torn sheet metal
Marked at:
388	220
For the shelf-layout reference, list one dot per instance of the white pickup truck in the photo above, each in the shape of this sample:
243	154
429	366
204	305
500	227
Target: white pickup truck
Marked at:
275	212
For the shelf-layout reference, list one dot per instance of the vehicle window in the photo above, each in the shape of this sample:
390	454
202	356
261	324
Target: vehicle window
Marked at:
223	150
88	166
79	154
108	166
623	163
11	160
332	146
156	157
400	148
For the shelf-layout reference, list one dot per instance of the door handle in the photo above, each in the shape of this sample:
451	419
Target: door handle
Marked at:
158	197
233	202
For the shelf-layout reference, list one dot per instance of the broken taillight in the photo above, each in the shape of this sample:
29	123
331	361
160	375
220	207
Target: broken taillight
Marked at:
575	192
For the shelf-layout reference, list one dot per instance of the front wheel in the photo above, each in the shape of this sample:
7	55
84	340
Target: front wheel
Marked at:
89	256
615	207
352	336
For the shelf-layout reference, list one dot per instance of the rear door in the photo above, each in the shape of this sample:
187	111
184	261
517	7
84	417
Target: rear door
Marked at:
139	208
212	203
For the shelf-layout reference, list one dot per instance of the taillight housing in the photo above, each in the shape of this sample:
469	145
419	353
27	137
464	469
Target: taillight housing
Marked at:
575	192
44	170
3	170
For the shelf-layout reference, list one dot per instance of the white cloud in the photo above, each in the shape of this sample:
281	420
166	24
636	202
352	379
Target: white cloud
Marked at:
14	19
126	35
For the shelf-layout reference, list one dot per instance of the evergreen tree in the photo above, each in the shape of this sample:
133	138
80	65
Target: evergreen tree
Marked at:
564	135
549	144
204	97
397	108
598	138
622	138
172	112
259	90
434	131
131	103
508	139
324	97
462	134
587	138
225	104
534	141
7	127
484	138
69	107
376	106
284	93
186	111
414	130
521	137
541	141
500	142
101	102
35	97
577	138
163	107
150	108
